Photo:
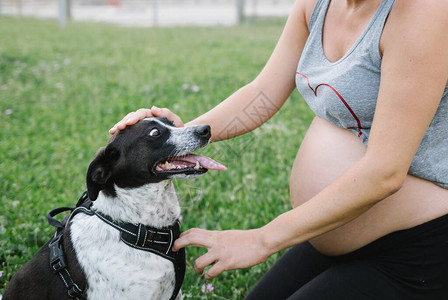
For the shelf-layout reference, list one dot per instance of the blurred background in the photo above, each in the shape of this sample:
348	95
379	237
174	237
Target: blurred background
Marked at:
146	13
61	89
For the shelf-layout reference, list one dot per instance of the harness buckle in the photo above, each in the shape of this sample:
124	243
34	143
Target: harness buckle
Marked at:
74	291
151	236
57	260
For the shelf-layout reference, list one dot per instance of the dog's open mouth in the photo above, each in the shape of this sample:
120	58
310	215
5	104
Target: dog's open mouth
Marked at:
189	165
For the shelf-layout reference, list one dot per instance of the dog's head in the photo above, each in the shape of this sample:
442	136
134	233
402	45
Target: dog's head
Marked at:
148	152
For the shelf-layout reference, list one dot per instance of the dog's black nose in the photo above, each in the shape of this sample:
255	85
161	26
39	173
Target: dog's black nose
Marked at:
203	131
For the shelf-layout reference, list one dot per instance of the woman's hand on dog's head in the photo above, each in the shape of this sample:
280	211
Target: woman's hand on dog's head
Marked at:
135	116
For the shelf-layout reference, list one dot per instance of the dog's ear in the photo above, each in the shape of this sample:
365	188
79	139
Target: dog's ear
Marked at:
99	171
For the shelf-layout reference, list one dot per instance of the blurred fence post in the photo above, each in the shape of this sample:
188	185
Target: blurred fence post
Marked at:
19	7
69	9
155	12
240	10
64	11
254	8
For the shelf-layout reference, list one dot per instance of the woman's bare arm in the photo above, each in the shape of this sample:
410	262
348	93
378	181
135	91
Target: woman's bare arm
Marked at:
255	103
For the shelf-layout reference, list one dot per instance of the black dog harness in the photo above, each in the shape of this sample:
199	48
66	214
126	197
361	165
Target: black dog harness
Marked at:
155	240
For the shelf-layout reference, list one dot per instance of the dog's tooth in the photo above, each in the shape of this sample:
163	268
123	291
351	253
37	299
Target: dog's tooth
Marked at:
167	165
197	166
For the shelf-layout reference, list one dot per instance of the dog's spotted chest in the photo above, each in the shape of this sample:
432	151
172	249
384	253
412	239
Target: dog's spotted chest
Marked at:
120	271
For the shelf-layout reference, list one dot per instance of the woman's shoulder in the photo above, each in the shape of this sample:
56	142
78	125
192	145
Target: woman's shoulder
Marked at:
305	8
419	9
415	19
308	6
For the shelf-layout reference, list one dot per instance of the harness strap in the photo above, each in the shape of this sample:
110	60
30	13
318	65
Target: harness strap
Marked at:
146	238
58	262
155	240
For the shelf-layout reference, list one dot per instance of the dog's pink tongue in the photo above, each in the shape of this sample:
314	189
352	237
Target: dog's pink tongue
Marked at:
205	162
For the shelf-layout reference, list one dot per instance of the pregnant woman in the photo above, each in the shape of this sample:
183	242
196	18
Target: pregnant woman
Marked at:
369	185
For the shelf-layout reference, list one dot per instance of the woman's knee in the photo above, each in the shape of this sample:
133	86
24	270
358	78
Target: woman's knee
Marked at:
295	268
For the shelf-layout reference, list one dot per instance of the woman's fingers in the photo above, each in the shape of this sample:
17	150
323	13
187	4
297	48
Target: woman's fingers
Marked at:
201	238
194	237
130	119
165	112
133	117
214	271
140	114
202	262
226	250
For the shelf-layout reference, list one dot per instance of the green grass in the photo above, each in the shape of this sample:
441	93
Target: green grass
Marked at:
62	89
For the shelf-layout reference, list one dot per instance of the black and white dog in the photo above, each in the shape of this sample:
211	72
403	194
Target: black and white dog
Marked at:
107	247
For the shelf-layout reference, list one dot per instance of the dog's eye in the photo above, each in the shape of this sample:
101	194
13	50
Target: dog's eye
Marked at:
154	132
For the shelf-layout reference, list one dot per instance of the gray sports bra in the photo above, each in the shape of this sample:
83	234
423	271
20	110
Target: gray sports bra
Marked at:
345	92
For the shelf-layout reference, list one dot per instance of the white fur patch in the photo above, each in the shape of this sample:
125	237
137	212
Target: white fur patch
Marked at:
183	138
152	204
113	269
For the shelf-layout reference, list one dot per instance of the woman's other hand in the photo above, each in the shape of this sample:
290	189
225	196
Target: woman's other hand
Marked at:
135	116
227	250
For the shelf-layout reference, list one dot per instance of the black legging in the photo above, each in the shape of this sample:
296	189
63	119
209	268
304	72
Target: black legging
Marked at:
407	264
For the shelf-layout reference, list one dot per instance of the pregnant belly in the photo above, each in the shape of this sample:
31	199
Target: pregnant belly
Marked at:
326	152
